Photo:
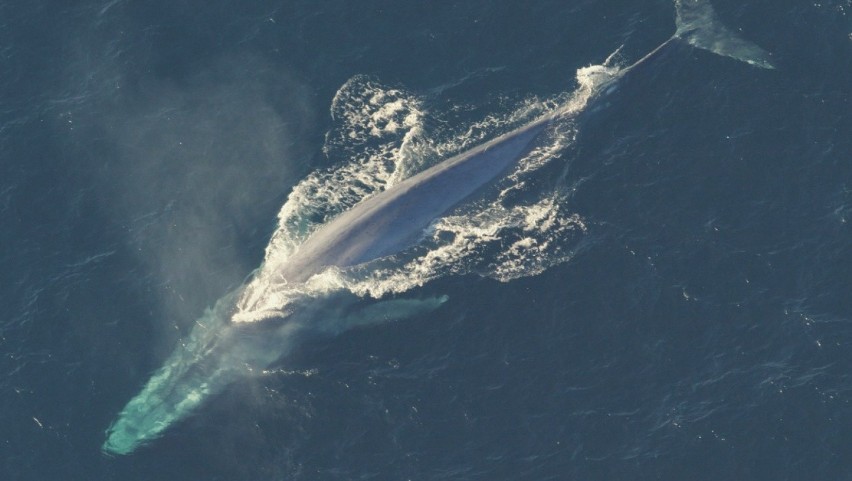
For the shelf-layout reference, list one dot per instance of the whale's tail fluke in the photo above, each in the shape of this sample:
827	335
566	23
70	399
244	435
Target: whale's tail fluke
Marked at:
698	25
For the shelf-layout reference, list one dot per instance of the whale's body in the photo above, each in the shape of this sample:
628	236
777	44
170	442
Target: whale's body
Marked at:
218	351
394	219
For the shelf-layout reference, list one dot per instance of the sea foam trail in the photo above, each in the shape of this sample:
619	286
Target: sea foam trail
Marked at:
383	130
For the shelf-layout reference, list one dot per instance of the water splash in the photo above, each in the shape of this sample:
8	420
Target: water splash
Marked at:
384	131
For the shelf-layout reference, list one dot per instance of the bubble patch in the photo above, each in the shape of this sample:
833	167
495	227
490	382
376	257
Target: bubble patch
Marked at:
520	230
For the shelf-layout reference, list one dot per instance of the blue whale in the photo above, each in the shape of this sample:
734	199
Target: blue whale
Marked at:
219	351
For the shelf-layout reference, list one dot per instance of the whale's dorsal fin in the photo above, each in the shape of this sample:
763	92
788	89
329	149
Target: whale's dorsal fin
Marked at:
698	25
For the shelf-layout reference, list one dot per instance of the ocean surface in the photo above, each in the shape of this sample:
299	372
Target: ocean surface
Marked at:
662	290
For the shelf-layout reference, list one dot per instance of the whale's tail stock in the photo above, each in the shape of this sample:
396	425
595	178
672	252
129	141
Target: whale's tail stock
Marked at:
699	25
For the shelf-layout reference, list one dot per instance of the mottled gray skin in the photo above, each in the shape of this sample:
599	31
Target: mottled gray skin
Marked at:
395	219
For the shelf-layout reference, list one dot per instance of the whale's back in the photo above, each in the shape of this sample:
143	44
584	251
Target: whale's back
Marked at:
394	219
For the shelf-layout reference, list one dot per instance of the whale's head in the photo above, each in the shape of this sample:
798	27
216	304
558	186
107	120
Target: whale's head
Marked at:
216	353
191	374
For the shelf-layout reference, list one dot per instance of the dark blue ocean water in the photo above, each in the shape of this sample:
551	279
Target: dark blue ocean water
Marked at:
701	330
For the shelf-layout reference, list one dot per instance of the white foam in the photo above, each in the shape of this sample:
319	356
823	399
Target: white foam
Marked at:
379	138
